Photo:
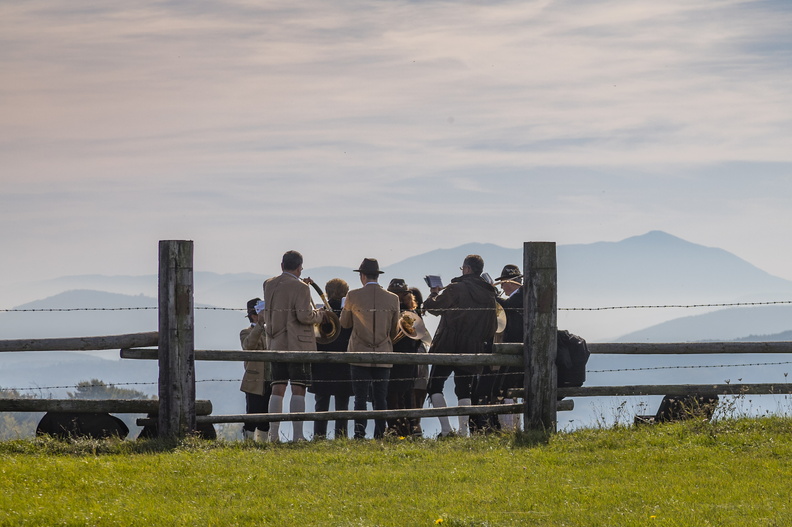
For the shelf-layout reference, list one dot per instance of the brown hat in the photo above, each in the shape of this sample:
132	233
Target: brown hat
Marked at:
369	266
397	285
510	272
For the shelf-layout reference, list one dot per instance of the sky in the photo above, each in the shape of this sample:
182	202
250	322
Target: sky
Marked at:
362	128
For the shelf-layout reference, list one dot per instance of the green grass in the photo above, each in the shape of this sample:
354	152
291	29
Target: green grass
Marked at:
732	472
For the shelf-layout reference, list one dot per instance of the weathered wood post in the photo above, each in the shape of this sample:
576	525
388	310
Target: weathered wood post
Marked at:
540	319
176	339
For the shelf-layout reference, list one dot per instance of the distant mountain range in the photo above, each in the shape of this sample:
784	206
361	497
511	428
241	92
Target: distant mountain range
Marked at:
655	269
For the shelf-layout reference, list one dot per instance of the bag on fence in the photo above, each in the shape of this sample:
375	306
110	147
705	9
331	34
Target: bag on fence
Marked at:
571	359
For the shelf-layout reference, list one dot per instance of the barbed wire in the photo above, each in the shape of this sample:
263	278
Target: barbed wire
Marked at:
59	309
675	306
682	367
242	310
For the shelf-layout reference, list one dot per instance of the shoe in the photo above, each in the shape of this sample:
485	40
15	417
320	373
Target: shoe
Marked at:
261	436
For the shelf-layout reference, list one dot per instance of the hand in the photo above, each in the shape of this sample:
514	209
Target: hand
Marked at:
308	280
435	290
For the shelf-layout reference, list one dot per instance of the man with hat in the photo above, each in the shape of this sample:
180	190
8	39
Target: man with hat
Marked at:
467	325
511	376
255	382
373	314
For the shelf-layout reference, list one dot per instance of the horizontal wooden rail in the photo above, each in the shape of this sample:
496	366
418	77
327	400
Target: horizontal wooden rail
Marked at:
673	389
655	348
121	406
107	342
451	359
368	414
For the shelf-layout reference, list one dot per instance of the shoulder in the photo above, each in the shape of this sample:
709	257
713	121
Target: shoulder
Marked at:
391	296
353	293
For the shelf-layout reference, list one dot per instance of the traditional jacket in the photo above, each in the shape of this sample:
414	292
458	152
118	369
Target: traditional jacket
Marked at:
289	314
373	314
467	315
513	307
256	373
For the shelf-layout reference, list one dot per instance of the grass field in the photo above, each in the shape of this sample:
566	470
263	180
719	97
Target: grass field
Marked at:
731	472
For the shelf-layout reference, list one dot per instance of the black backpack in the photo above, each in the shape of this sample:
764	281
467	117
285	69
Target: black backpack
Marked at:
571	359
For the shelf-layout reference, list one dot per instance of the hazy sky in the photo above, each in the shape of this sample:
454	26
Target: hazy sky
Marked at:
348	129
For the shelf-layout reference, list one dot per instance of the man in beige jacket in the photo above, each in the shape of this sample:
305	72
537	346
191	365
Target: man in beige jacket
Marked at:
289	317
373	314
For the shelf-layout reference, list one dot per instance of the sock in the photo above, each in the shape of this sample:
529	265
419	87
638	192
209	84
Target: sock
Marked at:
507	420
297	405
438	401
464	420
275	407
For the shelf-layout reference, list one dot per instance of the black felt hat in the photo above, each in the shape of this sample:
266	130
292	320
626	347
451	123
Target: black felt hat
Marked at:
369	266
510	272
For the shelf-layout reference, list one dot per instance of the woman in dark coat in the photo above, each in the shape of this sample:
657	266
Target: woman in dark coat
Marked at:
403	376
332	380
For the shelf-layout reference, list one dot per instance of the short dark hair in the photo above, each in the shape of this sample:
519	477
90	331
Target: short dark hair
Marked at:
291	260
371	277
475	262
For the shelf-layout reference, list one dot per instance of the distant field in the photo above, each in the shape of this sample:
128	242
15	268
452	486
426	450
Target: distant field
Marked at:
732	472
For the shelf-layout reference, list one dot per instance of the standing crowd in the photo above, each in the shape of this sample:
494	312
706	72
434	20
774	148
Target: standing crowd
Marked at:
375	319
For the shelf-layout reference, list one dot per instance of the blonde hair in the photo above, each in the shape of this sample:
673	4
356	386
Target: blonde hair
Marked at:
408	299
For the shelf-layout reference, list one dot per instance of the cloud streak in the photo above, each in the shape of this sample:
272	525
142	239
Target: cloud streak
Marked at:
347	121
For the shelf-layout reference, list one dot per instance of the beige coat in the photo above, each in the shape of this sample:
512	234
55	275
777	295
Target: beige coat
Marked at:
373	314
256	373
289	314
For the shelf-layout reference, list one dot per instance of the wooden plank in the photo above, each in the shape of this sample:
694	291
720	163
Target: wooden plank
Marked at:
177	342
368	414
540	305
121	406
337	357
676	389
677	348
106	342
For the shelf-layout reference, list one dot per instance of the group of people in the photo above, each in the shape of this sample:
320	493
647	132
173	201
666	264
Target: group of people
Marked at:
375	319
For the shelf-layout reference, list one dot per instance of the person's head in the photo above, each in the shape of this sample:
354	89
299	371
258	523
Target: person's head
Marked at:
473	264
399	287
369	270
292	262
336	289
252	314
510	278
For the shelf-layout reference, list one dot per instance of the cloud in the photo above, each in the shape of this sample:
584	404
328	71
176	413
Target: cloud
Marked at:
224	121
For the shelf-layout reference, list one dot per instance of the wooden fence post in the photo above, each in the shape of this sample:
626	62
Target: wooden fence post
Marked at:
176	339
540	319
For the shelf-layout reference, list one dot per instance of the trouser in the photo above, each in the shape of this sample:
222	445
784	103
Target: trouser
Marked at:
399	401
463	380
366	378
484	393
257	404
323	405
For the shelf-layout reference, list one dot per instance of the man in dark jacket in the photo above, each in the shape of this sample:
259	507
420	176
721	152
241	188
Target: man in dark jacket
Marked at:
467	324
511	376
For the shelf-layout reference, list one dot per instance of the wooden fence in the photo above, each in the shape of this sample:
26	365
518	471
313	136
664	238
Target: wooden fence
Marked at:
179	413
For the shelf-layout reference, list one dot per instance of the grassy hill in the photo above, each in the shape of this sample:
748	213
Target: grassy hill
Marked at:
729	472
